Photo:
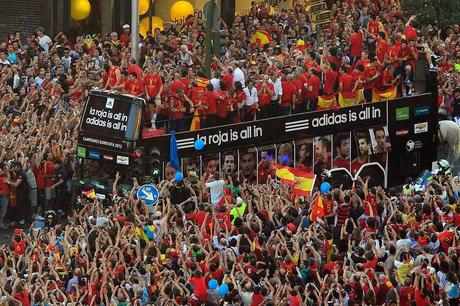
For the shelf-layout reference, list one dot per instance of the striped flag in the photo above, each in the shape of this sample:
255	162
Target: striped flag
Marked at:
261	38
383	95
202	82
351	98
302	183
317	210
195	121
326	102
90	194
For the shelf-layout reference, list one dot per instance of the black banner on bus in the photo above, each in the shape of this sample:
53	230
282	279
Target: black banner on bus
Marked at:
280	129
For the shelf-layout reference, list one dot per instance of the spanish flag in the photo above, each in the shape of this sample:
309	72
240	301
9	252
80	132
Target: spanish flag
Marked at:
326	102
195	121
383	95
261	38
351	98
90	194
301	182
317	210
202	82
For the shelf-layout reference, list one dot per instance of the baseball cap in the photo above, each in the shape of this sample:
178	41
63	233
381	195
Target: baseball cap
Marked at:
291	227
239	201
158	214
126	26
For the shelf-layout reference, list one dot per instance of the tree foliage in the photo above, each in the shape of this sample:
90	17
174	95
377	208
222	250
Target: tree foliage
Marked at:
435	12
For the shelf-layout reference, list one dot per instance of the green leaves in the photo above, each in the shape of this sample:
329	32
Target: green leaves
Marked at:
435	12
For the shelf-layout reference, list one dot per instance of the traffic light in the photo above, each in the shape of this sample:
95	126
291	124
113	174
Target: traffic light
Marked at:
138	162
152	161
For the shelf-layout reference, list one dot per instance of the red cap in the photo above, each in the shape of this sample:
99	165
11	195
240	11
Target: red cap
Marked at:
18	231
120	218
291	227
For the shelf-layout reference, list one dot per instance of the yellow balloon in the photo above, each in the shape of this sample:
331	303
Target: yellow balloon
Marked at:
181	9
157	22
143	6
80	9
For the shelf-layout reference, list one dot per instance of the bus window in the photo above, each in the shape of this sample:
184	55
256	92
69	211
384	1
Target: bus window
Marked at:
210	165
304	154
266	159
229	162
323	154
285	154
247	165
341	150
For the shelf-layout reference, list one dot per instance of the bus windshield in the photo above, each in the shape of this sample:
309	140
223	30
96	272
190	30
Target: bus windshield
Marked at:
111	117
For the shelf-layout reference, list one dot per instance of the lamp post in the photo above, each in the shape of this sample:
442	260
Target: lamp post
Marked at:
135	30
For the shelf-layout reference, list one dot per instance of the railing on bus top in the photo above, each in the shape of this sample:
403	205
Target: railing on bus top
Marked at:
192	123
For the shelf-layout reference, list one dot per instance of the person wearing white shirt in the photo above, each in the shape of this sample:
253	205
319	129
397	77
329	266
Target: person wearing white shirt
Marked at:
251	103
238	74
216	189
215	81
44	40
185	56
275	79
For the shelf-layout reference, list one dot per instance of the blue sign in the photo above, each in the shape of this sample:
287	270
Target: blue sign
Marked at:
422	110
94	155
149	194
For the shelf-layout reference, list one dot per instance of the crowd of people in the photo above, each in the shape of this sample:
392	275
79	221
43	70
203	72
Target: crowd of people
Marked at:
219	240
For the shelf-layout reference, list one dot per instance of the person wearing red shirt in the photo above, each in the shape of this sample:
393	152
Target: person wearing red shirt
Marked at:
223	218
421	296
49	172
4	194
227	78
294	298
178	110
382	48
356	43
22	295
133	67
257	297
301	83
330	79
200	291
407	293
224	105
238	98
134	86
177	84
371	76
410	32
289	96
125	35
265	91
114	74
388	78
346	83
211	102
314	84
363	60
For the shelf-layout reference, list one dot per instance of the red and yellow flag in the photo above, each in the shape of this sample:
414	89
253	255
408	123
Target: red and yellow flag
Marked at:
317	210
383	95
351	98
326	102
90	194
202	82
195	121
301	182
261	38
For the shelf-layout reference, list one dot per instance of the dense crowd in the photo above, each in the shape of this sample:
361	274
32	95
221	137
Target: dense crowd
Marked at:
217	240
